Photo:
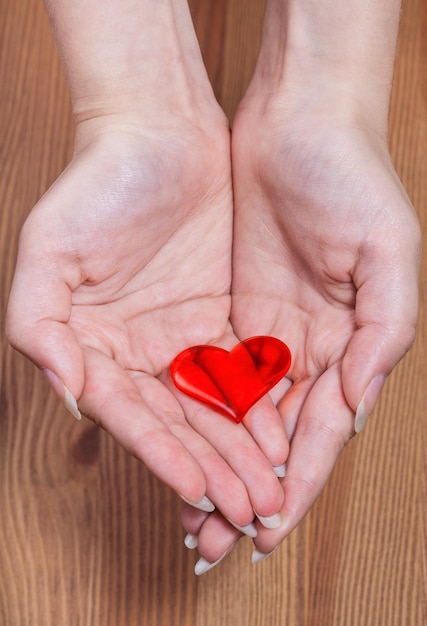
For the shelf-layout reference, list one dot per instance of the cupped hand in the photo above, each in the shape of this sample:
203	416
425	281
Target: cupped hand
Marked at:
325	257
122	264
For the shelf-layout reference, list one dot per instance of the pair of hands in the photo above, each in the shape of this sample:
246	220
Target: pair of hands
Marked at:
158	237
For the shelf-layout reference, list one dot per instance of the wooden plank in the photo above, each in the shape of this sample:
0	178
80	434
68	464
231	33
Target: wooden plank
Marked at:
87	536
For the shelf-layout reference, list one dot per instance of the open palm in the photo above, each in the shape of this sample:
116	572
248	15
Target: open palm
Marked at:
325	257
125	262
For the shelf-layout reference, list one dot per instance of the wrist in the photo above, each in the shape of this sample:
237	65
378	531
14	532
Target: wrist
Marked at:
174	134
128	58
320	59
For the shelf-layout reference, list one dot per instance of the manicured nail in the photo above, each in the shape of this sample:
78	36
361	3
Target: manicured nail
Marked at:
204	504
258	556
71	404
202	566
191	541
280	470
368	402
69	400
248	530
274	521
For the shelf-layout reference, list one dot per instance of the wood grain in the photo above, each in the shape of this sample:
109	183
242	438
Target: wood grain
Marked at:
87	536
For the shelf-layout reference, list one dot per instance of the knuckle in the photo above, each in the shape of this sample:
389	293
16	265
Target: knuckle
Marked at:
328	435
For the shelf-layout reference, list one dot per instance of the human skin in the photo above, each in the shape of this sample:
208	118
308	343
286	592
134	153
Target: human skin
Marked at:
326	241
126	260
134	240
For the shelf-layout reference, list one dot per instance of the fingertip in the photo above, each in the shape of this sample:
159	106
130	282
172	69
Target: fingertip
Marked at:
258	556
203	565
271	522
280	470
192	519
266	426
203	504
248	529
217	538
385	333
369	399
63	392
191	541
52	347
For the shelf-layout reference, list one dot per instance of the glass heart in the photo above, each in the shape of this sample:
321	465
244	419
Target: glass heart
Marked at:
231	382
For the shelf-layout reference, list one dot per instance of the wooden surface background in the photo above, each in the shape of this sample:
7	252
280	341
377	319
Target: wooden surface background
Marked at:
87	536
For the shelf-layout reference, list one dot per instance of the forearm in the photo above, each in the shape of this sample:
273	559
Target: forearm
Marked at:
119	56
340	53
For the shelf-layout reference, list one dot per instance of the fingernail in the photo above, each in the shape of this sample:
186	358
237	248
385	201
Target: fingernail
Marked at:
280	470
368	402
69	400
71	404
248	530
203	505
191	541
202	566
258	556
274	521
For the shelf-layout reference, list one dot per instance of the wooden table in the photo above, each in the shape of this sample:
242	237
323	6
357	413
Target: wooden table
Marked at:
87	536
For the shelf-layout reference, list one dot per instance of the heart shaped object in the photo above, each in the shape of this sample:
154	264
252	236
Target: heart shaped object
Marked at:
231	382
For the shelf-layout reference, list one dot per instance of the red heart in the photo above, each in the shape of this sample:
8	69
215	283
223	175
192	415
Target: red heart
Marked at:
231	382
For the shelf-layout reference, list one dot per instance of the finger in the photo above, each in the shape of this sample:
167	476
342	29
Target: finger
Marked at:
192	520
216	540
291	403
112	399
38	313
262	420
266	427
223	485
249	460
237	447
386	319
324	427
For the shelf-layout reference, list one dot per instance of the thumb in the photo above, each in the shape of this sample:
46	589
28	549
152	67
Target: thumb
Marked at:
386	320
37	325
